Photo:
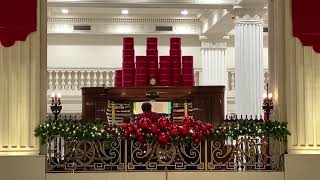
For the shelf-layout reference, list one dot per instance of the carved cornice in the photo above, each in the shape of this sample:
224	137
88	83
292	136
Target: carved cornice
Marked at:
248	15
124	28
116	20
217	46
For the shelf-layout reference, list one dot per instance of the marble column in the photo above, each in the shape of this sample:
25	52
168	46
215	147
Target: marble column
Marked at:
295	80
214	70
214	66
23	90
248	62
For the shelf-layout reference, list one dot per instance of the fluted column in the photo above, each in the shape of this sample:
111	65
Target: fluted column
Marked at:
249	62
295	77
23	90
214	69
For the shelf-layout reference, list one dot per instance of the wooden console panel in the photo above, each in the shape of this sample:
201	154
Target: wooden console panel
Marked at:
208	101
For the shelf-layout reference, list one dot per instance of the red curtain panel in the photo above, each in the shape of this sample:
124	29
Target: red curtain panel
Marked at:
18	18
306	22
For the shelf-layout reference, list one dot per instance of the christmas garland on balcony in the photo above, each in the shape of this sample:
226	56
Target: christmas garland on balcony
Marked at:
163	132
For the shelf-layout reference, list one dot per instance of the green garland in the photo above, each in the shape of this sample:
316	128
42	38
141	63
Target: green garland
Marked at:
76	131
234	130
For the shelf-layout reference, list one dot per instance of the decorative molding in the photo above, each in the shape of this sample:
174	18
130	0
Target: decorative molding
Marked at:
116	20
125	28
248	14
207	45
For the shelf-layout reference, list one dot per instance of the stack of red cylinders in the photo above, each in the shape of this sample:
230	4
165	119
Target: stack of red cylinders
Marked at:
128	65
118	78
176	71
175	46
187	71
165	71
141	71
152	58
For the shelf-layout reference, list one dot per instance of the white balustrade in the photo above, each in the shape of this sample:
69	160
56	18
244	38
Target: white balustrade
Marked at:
69	79
95	78
101	79
50	80
88	84
82	79
72	79
63	80
75	81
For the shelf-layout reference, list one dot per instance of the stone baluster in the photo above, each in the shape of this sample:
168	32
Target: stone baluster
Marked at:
108	83
75	79
101	78
50	81
233	80
88	82
63	79
95	79
112	74
82	79
56	80
69	80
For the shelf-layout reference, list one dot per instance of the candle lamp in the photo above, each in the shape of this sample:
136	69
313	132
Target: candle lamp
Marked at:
267	104
56	106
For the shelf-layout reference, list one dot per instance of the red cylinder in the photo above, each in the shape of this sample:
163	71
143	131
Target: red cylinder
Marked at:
187	71
175	40
175	46
129	58
175	53
152	40
128	40
141	71
128	52
152	46
128	46
128	65
152	52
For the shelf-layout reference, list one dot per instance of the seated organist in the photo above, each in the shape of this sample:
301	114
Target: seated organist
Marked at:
147	113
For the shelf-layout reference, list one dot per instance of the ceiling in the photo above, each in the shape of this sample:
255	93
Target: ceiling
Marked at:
105	17
105	12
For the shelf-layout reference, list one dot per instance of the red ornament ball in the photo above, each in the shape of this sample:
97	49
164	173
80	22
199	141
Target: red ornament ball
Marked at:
187	121
184	130
144	123
164	123
154	129
124	126
174	132
163	138
196	140
209	127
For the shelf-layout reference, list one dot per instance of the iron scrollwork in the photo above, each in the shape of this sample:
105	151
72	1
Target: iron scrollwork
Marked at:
242	154
84	155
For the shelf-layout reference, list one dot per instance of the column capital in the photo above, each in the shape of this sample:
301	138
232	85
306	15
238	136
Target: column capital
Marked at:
207	45
248	15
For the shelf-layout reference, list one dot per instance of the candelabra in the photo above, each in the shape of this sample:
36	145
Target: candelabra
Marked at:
267	104
56	106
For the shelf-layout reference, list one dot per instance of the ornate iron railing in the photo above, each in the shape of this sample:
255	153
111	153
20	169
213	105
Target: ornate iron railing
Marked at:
242	154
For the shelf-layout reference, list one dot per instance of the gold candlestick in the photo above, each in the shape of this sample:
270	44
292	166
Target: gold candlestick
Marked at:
185	109
113	113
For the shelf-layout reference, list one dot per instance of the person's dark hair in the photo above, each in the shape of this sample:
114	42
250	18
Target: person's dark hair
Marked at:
146	107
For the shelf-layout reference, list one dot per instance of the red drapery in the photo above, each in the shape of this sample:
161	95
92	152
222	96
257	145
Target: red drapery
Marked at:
306	23
18	18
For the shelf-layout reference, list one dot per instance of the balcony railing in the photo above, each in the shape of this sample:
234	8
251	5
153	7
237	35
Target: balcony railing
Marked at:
72	79
243	154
